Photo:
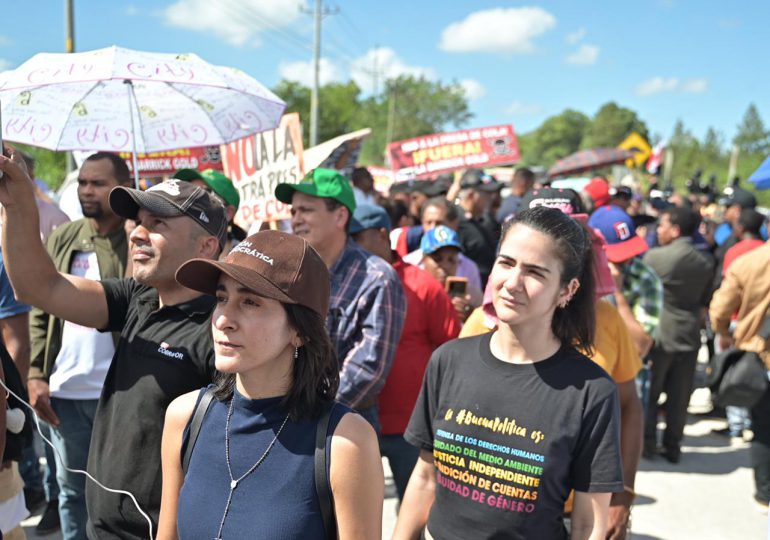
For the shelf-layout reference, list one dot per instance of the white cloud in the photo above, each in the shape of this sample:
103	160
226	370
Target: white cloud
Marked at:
586	55
503	30
694	86
131	10
573	38
473	89
236	21
5	40
523	109
302	72
387	64
658	85
4	64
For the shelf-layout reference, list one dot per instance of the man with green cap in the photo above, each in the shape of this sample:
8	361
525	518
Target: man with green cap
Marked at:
220	185
367	305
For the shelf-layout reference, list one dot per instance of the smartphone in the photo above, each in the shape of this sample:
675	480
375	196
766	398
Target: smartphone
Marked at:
456	286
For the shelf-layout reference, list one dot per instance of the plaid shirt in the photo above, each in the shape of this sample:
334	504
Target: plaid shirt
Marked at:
643	291
366	315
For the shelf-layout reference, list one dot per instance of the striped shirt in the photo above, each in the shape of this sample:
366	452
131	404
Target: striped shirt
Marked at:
366	315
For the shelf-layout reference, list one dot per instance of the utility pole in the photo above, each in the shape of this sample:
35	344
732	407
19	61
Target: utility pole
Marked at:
69	47
69	26
318	13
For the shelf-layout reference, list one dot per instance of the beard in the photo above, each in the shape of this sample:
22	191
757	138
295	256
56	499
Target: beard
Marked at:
92	210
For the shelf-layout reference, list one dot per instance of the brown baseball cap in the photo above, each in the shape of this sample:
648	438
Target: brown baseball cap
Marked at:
273	264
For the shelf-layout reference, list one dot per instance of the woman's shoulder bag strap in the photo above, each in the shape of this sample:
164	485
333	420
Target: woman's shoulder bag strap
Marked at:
322	487
195	426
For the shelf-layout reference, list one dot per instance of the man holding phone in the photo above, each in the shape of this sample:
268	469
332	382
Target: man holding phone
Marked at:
430	321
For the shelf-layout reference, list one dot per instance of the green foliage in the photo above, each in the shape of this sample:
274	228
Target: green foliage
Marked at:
51	167
611	125
752	137
419	107
556	138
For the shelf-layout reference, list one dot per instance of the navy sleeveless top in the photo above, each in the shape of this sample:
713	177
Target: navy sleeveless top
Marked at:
277	501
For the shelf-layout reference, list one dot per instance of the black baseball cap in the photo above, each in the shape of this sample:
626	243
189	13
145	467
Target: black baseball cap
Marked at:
174	198
478	179
741	197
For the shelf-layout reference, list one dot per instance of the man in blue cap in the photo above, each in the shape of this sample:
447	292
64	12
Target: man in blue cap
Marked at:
430	322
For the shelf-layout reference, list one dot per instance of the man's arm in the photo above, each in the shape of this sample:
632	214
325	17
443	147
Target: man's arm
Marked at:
631	425
15	332
33	275
725	302
642	339
368	363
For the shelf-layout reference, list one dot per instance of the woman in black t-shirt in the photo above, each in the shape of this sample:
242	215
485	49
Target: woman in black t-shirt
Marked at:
508	423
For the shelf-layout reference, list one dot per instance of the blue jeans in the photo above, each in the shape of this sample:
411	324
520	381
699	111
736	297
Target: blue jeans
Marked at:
72	439
29	467
371	415
402	457
738	419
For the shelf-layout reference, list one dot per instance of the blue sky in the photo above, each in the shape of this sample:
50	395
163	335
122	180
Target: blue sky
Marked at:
701	61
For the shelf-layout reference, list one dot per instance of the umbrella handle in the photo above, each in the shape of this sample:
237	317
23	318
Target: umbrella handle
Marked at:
131	106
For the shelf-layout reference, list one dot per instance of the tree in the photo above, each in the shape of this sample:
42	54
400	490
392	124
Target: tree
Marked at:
611	125
557	137
752	137
50	166
418	106
337	113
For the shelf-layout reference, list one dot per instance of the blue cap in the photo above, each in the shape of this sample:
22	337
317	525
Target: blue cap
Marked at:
369	216
439	237
618	229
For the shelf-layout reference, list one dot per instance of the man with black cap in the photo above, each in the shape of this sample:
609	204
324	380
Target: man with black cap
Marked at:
736	200
164	349
476	232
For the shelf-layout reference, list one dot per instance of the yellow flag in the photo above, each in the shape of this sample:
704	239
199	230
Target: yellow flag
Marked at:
642	147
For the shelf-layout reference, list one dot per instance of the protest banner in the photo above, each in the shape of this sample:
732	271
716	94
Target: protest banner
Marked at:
166	163
383	178
258	163
431	155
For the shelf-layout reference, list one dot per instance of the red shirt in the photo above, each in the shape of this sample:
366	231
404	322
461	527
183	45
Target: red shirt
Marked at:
741	248
430	321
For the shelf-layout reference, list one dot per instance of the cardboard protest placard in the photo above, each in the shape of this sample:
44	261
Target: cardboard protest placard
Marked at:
431	155
258	163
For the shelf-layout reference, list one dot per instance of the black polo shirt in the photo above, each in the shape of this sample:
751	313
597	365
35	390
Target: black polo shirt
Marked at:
162	353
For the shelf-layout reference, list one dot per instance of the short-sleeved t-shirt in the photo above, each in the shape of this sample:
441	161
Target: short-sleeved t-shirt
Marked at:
162	353
509	441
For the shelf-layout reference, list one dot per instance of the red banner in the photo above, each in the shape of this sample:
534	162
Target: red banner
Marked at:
168	162
431	155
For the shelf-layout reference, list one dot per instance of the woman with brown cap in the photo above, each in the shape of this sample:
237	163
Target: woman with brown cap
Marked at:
249	468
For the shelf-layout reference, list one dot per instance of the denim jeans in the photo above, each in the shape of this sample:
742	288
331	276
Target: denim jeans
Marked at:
72	439
738	419
34	478
402	457
371	415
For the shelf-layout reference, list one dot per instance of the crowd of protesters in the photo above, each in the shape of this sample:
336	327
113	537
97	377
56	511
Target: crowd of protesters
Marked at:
236	383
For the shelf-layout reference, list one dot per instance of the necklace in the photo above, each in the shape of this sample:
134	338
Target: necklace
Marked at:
234	482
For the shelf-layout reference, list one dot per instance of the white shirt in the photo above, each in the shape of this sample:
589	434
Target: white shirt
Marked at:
85	353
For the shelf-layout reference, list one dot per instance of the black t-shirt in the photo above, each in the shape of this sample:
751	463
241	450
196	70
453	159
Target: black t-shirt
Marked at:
479	245
510	440
162	353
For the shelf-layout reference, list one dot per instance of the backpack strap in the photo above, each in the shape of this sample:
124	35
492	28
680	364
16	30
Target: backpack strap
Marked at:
322	487
195	426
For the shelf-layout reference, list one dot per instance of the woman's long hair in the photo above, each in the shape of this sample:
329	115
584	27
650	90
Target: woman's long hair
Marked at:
315	373
574	324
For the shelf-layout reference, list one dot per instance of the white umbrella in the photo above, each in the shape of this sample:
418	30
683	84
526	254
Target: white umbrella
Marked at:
122	100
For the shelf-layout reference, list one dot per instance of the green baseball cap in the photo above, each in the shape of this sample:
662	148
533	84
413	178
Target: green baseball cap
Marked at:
215	180
320	182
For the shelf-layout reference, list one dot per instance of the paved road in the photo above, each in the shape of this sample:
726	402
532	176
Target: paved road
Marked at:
707	496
